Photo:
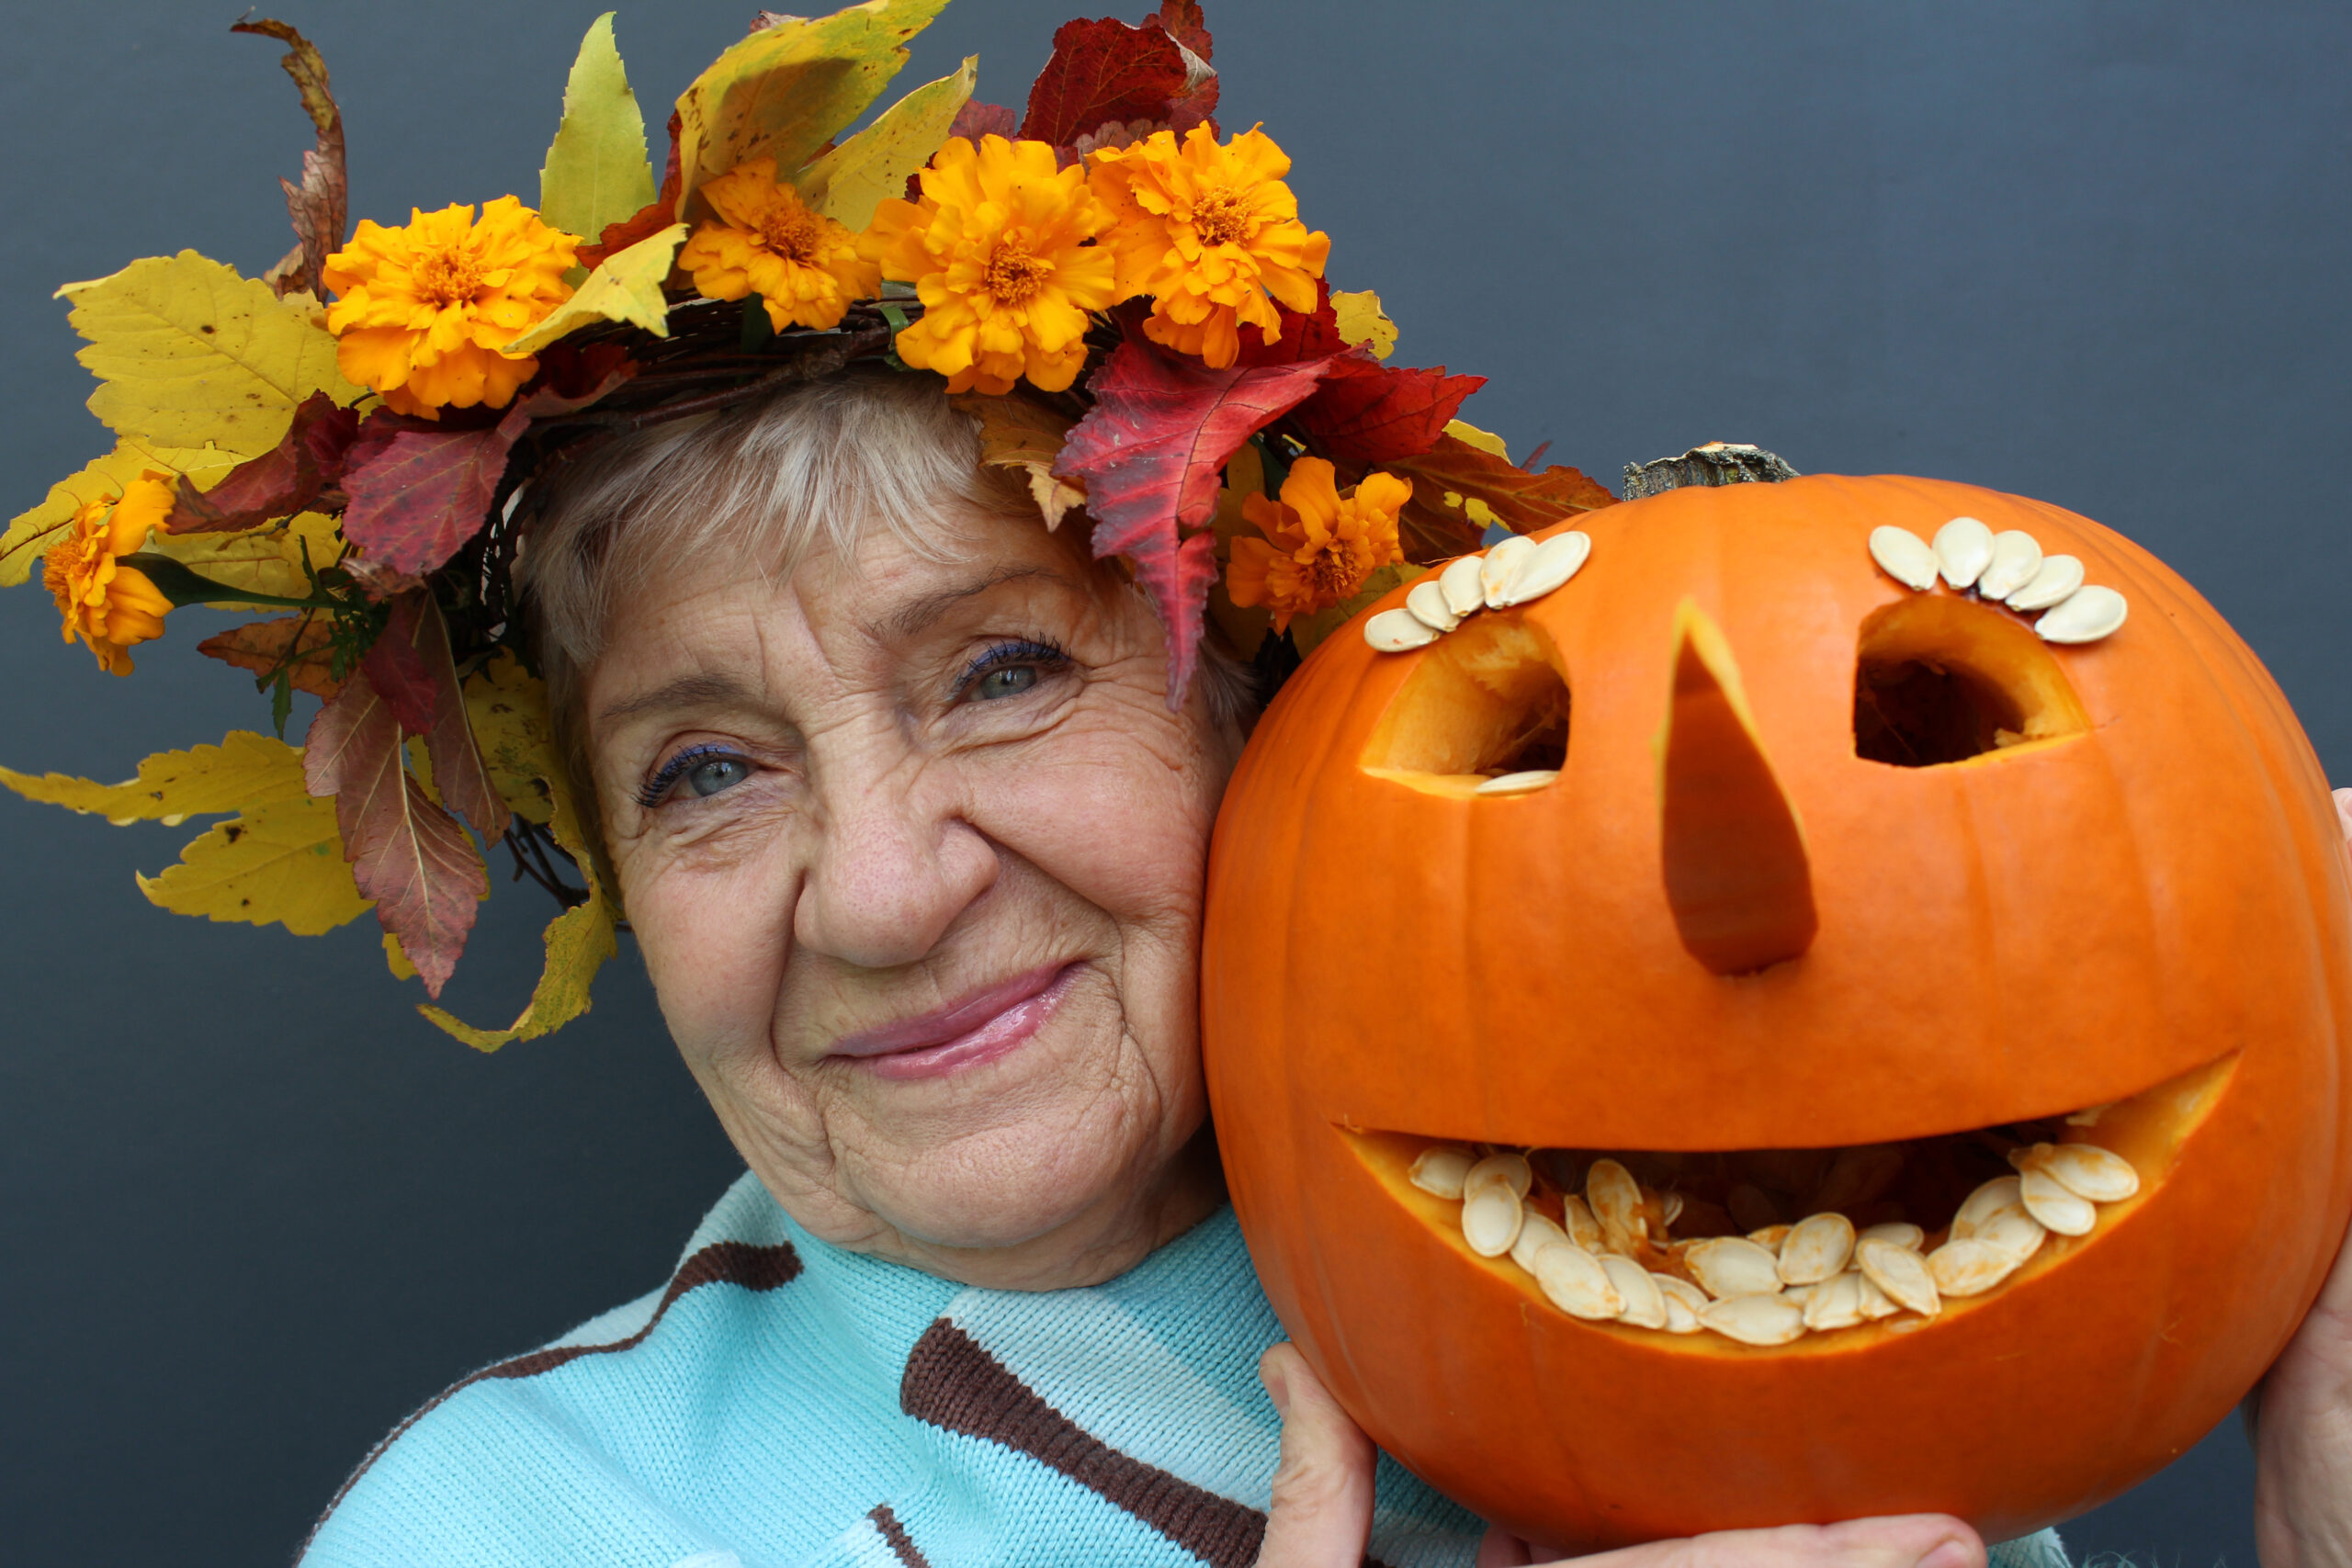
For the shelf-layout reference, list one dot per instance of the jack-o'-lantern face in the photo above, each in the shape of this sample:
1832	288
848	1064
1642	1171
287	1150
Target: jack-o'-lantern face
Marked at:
1736	886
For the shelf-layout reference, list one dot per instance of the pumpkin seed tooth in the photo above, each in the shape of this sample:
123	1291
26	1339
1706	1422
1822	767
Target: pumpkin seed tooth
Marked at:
2086	615
1671	1209
1901	1233
1502	563
1397	631
1818	1248
2012	1231
1645	1306
1490	1219
2017	556
1875	1304
1522	783
1963	549
1512	1170
1969	1267
2059	576
1681	1318
1733	1265
1676	1288
1440	1169
2087	1170
1902	1274
1835	1304
1582	1228
1459	583
1425	601
1536	1231
1755	1319
1988	1200
1548	566
2052	1205
1904	556
1573	1279
1770	1238
1616	1202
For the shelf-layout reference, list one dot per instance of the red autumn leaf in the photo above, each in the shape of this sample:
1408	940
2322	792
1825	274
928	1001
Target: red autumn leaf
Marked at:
395	666
297	644
1311	336
1150	451
279	483
320	205
1104	70
410	668
1369	412
1525	502
406	854
1183	20
977	119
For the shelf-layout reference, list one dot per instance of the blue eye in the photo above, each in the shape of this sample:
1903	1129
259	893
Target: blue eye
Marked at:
1010	668
706	771
719	773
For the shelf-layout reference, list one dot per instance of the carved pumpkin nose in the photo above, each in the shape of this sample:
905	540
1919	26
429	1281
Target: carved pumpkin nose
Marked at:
1736	876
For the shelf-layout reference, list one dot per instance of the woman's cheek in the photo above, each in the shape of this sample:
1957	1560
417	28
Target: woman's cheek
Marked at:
709	898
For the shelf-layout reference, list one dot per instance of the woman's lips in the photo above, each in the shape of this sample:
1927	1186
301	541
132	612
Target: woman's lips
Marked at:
982	1027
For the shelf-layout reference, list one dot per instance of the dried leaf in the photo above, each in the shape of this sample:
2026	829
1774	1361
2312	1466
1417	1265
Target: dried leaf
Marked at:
278	483
406	854
1454	474
30	532
597	171
191	355
788	90
299	645
1104	70
279	864
243	772
1148	454
1027	437
1360	319
320	206
412	669
1369	412
510	719
848	183
625	286
1182	20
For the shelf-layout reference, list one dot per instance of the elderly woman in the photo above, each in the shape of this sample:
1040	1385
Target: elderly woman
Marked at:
914	849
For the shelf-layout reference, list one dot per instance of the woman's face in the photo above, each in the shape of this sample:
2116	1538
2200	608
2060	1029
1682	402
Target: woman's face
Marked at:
914	851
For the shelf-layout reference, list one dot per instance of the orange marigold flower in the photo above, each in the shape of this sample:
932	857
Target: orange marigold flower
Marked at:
804	266
996	250
424	310
1210	233
1323	544
104	603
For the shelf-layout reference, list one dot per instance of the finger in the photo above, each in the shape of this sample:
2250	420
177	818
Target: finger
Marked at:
1321	1515
1909	1540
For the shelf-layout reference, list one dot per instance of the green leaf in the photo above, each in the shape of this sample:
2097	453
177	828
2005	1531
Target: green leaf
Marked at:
788	89
626	288
597	171
848	183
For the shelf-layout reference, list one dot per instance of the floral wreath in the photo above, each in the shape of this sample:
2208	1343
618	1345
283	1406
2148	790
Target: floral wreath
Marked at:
363	466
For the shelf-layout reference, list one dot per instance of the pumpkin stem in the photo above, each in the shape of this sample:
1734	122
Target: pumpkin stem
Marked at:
1736	875
1716	463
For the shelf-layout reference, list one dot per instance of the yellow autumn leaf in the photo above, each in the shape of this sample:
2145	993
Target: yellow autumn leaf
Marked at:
279	864
626	288
396	960
260	560
191	355
1363	320
1025	437
28	535
847	184
1471	436
597	171
787	90
507	709
243	772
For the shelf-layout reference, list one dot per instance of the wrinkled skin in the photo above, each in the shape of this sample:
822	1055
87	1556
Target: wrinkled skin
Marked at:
896	793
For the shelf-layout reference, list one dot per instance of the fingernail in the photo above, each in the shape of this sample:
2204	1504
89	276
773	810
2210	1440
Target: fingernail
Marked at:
1950	1554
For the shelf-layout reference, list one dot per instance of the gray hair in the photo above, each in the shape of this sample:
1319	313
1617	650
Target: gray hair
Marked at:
812	463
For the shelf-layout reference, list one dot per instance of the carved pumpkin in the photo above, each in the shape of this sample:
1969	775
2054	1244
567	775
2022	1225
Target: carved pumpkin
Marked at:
1836	877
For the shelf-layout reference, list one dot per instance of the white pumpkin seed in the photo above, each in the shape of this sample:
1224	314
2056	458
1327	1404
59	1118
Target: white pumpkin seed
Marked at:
1525	782
1644	1307
1835	1304
1490	1219
1397	631
1904	556
1616	1201
1901	1273
2012	1231
1817	1248
1549	565
1425	601
1969	1267
2056	1208
1876	1304
1512	1170
2059	576
1672	1207
1728	1265
1963	549
2015	557
1676	1288
1799	1293
1500	564
1459	583
1901	1232
1996	1195
1582	1228
1439	1171
1536	1231
1680	1317
2086	615
1573	1279
1755	1320
1770	1238
2089	1116
2087	1170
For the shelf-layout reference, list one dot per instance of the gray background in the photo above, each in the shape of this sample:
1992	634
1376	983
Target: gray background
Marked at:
255	1210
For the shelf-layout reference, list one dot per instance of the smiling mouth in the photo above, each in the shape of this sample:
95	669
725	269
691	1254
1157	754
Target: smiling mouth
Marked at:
979	1027
1764	1247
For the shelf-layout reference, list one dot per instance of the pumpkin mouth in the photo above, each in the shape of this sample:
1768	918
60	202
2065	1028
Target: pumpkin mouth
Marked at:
1777	1248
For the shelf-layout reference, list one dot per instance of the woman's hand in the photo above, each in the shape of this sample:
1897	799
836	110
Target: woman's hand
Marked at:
1322	1509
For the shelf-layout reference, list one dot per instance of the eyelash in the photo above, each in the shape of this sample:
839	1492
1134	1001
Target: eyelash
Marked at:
1044	652
658	788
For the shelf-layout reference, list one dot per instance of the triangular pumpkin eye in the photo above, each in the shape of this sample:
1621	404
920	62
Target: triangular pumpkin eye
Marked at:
1941	680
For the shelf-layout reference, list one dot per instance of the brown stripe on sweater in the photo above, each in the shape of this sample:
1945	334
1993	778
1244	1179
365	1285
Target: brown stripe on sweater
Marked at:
721	1263
895	1533
952	1382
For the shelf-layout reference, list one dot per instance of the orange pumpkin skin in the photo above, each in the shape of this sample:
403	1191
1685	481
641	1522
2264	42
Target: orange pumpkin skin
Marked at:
2024	935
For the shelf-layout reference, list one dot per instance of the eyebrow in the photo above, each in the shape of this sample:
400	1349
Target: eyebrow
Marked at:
705	690
918	614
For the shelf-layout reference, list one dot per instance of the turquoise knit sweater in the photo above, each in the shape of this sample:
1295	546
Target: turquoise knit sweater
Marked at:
783	1402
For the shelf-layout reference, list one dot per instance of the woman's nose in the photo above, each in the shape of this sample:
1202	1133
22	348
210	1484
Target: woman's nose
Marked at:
890	876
